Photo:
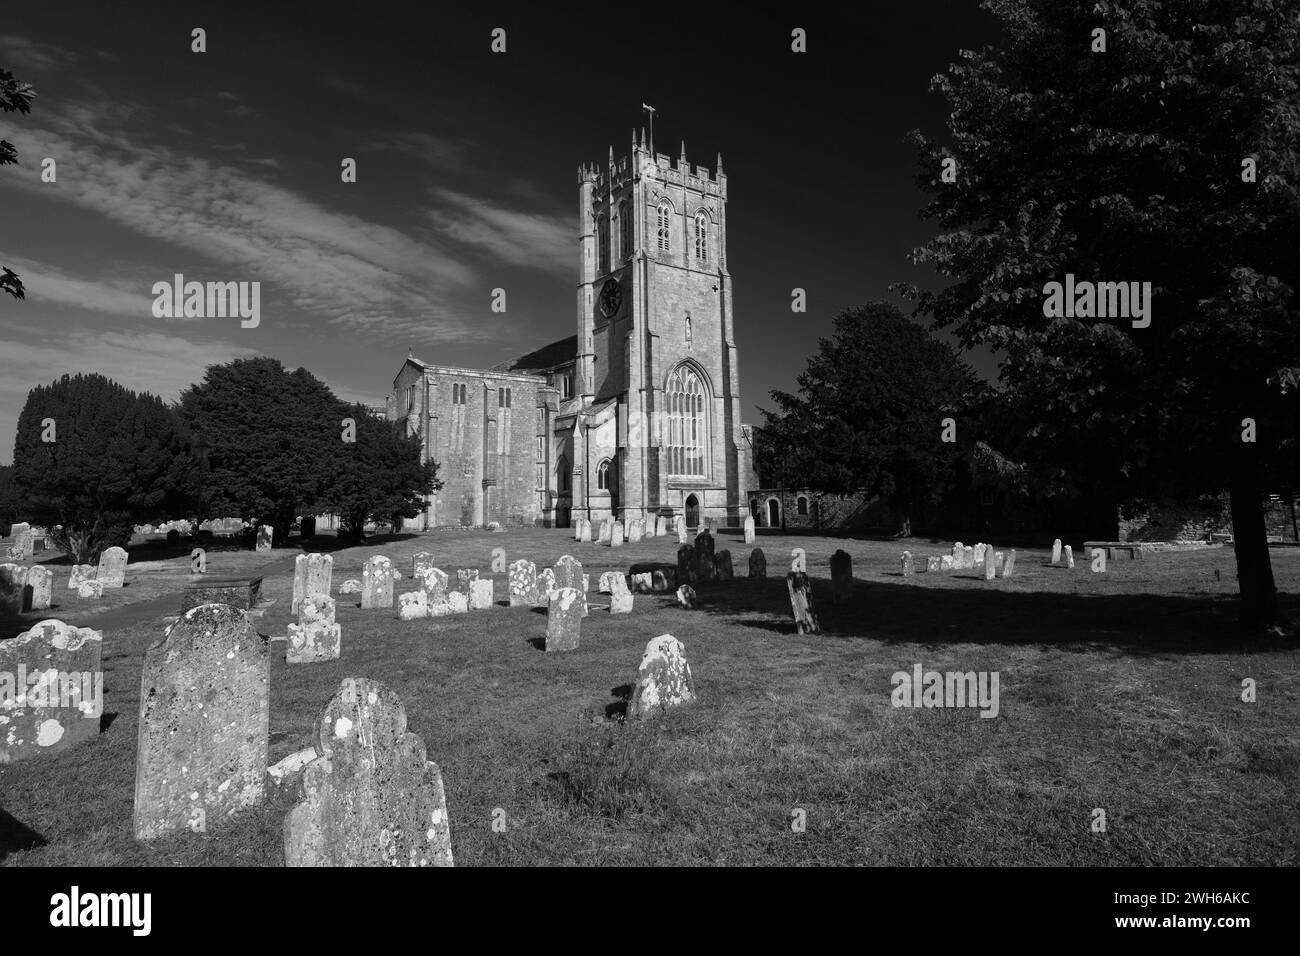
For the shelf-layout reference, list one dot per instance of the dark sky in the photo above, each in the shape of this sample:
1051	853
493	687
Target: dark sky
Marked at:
225	166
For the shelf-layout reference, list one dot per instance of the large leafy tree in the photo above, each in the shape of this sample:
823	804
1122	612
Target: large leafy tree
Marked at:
868	413
380	475
92	458
1131	165
268	438
15	97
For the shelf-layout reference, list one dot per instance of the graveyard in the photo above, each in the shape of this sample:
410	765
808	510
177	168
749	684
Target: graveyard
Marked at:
1119	689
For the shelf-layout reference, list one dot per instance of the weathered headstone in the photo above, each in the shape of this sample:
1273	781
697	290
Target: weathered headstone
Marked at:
704	569
980	548
1009	563
13	581
90	589
79	573
686	597
681	529
642	582
24	541
801	603
958	556
749	529
606	583
371	797
842	577
634	531
312	574
564	619
40	588
464	576
908	567
51	689
946	562
264	534
433	581
1056	551
421	562
584	530
933	563
648	527
112	568
412	605
350	586
722	568
458	602
316	637
663	680
757	563
661	526
377	583
1069	557
620	600
685	564
243	593
523	582
616	535
481	596
606	531
990	564
203	727
545	585
968	557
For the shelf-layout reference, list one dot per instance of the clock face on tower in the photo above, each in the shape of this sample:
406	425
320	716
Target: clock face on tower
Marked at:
611	297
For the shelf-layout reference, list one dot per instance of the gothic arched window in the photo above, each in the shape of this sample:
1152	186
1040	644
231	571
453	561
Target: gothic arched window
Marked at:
562	474
602	475
625	230
665	226
602	244
687	442
702	239
802	504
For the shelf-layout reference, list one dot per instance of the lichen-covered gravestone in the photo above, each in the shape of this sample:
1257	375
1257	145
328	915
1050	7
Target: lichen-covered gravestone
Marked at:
801	603
481	596
377	583
79	573
568	574
350	586
686	597
202	746
264	533
412	605
112	568
958	556
606	585
13	579
564	619
458	602
51	689
722	568
421	561
663	680
545	585
316	637
909	567
40	587
24	541
523	581
312	574
933	563
371	797
841	577
433	581
704	556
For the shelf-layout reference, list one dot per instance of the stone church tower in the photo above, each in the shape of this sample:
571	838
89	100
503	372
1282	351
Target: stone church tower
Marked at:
636	415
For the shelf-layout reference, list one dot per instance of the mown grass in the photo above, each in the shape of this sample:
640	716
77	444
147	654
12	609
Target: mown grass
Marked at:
1119	692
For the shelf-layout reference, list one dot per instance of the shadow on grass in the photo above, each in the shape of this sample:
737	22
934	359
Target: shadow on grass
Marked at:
16	836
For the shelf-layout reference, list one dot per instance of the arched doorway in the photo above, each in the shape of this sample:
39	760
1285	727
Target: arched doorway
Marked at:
692	512
773	513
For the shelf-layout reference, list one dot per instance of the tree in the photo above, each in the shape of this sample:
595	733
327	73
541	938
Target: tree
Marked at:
270	438
1170	158
92	458
8	498
868	416
380	476
15	97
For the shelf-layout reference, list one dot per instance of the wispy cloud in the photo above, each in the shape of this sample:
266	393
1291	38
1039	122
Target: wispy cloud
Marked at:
50	285
534	240
20	52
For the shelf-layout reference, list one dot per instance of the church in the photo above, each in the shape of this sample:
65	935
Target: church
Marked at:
635	415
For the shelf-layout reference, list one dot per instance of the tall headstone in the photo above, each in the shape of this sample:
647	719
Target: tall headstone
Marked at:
704	556
620	600
564	619
661	526
663	680
316	637
312	574
568	574
523	582
56	689
634	531
749	529
1069	557
990	564
371	797
24	539
801	603
681	529
616	535
1009	563
377	583
13	581
685	564
909	568
112	568
648	527
958	556
264	534
980	548
841	577
757	563
584	530
606	531
545	585
202	748
1056	551
722	568
40	587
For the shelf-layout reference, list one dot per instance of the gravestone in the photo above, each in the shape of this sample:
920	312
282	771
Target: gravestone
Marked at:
663	680
842	577
523	583
749	529
584	530
24	539
40	588
648	527
90	589
307	530
312	574
112	568
1009	563
660	582
681	529
243	593
377	583
1069	557
433	582
722	569
945	563
1056	551
661	526
464	576
634	531
990	564
350	586
421	562
51	689
545	585
316	637
412	605
79	573
980	547
686	597
620	601
606	531
908	568
563	619
704	556
458	602
371	796
685	564
757	563
801	603
606	585
958	551
642	582
616	535
968	557
568	574
577	530
202	747
481	594
264	533
933	563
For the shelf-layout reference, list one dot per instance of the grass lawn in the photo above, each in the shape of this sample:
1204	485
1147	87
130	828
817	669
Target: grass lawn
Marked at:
1119	691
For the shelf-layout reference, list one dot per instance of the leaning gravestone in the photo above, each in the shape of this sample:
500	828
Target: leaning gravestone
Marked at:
201	755
312	574
13	582
801	603
40	587
264	537
620	601
663	680
686	597
481	596
564	619
841	577
1056	551
316	637
606	585
112	568
523	582
749	529
1069	557
79	573
371	797
377	583
722	568
56	689
421	562
757	563
433	582
1009	563
704	556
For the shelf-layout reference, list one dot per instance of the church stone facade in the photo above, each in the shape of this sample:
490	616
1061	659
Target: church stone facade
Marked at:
638	413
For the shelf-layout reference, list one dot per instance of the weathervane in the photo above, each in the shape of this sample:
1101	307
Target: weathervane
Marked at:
651	111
